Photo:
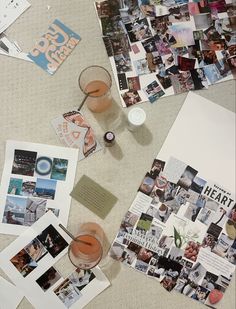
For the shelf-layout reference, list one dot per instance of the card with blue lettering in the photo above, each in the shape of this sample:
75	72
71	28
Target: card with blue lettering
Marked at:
54	47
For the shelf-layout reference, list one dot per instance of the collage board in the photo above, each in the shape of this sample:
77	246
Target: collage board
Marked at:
167	47
33	183
32	261
180	230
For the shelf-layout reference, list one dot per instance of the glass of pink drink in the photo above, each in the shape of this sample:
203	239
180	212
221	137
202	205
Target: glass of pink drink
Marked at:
96	78
86	250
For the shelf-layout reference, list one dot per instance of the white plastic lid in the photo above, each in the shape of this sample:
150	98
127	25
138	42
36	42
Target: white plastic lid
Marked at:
137	116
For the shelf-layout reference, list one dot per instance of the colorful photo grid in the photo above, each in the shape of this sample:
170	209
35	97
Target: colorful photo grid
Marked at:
180	230
143	37
33	182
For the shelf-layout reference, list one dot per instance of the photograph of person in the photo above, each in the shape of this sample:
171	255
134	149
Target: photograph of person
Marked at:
52	241
23	263
48	279
131	97
200	294
36	250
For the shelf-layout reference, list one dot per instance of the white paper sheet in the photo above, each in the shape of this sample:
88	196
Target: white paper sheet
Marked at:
10	295
41	179
10	10
203	135
81	290
12	49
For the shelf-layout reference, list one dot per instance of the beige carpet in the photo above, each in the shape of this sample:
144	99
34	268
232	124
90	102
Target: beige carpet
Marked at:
30	98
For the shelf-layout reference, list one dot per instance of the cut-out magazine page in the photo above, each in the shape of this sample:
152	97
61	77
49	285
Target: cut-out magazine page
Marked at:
31	263
35	178
203	135
74	131
168	47
54	47
10	11
10	295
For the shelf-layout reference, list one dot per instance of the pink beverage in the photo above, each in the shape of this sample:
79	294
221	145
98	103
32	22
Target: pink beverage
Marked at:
97	78
86	251
100	100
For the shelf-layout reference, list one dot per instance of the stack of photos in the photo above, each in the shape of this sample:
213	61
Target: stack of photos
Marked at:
32	184
180	230
178	45
31	261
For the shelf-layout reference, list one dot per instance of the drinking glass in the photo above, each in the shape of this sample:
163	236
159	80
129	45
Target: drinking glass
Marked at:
86	250
97	78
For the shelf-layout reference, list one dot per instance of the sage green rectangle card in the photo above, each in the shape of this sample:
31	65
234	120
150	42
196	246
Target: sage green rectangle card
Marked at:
93	196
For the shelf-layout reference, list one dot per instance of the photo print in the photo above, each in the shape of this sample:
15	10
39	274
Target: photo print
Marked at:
35	208
179	13
116	252
141	66
169	270
36	250
68	293
59	169
153	91
182	82
139	30
28	188
147	184
24	162
131	97
23	263
157	168
122	81
52	241
187	177
160	24
15	209
23	211
48	279
186	64
133	83
45	188
144	223
164	81
43	166
123	63
15	186
200	294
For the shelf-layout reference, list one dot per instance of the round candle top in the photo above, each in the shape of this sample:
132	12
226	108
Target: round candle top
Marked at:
137	116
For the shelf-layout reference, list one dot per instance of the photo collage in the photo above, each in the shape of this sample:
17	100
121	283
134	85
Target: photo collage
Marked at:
32	183
168	46
180	230
37	259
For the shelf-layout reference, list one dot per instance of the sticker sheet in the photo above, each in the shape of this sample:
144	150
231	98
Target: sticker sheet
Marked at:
36	178
54	47
180	230
74	131
10	10
168	46
10	296
32	262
